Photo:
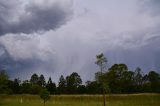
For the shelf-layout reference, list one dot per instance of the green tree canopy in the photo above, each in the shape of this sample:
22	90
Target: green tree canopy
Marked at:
62	85
42	81
45	96
73	82
34	79
51	87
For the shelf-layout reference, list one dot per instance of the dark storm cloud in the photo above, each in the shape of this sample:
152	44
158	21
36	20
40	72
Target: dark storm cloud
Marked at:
156	3
153	6
21	67
119	29
19	17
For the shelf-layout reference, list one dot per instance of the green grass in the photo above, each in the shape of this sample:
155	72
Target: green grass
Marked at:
83	100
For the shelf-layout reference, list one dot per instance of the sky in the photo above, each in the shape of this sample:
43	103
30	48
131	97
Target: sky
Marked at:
58	37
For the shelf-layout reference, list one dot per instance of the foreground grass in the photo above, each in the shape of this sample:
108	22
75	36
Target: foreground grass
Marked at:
82	100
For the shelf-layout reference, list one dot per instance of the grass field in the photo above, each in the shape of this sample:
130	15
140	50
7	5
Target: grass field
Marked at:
83	100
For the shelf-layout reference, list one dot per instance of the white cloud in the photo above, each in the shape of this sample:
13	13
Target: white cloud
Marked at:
22	46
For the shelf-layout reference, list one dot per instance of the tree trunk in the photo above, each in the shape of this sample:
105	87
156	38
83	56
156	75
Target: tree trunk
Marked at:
104	99
103	91
44	102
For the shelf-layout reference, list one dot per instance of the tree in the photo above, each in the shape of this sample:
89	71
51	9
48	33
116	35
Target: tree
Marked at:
34	79
51	87
45	96
93	87
3	75
16	86
35	89
26	87
82	89
119	69
127	82
42	81
4	83
154	79
116	77
73	82
62	85
101	62
138	79
146	84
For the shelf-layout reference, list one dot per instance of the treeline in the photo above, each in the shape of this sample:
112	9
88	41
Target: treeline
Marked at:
117	79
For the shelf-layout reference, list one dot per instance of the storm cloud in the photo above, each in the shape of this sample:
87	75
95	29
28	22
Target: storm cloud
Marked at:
29	16
125	31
